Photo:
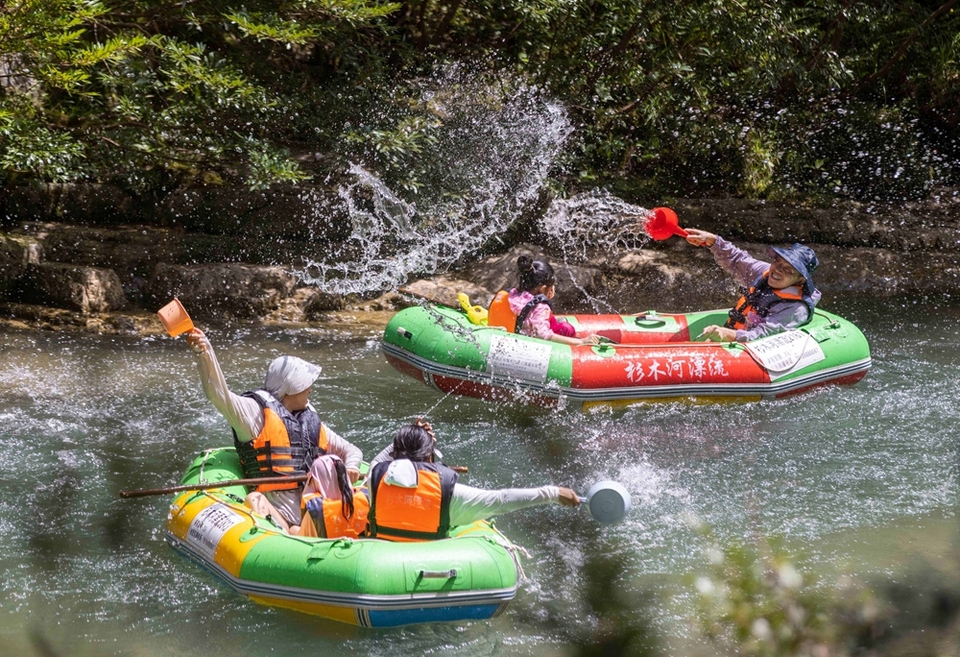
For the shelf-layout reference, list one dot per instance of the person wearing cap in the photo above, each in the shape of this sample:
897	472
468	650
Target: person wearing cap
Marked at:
415	497
276	430
780	294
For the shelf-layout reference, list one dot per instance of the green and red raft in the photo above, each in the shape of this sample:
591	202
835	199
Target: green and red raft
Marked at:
652	357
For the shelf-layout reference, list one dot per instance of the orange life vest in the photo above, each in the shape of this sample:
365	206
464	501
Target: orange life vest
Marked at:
760	298
286	446
328	515
412	514
500	314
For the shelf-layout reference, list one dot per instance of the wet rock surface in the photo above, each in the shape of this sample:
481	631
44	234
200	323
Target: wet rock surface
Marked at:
112	278
86	290
227	290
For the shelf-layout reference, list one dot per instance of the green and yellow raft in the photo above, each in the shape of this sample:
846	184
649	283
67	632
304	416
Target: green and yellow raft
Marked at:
472	575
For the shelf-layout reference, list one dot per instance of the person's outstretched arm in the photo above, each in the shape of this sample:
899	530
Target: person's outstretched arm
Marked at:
744	268
470	504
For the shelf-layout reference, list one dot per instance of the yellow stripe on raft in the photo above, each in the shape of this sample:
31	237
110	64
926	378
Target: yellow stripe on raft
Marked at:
230	550
343	614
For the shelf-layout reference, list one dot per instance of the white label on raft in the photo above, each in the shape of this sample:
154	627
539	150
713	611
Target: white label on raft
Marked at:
210	525
521	359
786	352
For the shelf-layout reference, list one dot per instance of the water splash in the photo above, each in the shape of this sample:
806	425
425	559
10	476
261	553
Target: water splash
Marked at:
486	155
595	221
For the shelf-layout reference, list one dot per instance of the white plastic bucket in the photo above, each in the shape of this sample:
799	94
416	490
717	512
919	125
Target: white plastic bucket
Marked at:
609	502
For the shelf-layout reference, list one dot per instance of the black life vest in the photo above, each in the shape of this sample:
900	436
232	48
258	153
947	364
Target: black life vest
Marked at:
287	444
527	309
761	298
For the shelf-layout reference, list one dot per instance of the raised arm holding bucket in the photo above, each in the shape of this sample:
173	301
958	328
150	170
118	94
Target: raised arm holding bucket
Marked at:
663	224
276	415
175	319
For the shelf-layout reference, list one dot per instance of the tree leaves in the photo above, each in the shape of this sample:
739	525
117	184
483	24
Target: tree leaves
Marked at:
751	97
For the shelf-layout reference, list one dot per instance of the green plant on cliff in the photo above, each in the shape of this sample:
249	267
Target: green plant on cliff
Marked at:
757	98
149	91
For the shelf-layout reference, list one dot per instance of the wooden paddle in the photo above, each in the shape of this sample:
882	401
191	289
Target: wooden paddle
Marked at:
256	481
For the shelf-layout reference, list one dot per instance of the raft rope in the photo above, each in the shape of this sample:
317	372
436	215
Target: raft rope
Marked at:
512	549
833	324
802	350
442	399
242	508
203	463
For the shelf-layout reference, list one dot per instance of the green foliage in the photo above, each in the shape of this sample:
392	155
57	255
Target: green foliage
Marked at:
269	165
755	98
34	148
145	91
757	601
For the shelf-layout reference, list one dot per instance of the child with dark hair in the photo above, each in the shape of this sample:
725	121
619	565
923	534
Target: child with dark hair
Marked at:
330	506
527	309
415	497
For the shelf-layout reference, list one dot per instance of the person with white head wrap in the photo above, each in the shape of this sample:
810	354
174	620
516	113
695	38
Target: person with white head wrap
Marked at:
286	387
289	375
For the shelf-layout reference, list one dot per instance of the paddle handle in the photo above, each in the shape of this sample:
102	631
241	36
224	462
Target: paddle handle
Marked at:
256	481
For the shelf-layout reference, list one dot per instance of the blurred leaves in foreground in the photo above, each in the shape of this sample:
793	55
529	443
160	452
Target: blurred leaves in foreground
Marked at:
756	599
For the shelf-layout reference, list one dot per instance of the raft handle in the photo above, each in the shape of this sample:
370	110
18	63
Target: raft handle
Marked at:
649	321
438	574
404	333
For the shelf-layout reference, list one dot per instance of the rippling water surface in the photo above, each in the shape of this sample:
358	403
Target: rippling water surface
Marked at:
859	478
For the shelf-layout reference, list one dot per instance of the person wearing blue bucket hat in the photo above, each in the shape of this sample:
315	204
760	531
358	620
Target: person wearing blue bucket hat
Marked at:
780	294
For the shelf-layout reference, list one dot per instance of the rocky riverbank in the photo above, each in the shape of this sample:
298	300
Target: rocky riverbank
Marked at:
81	276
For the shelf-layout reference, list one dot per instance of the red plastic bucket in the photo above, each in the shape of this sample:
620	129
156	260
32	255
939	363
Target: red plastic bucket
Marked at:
663	224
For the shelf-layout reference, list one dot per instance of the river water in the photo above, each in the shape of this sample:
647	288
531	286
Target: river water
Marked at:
860	479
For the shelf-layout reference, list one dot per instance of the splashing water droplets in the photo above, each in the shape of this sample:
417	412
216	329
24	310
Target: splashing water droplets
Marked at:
484	155
594	221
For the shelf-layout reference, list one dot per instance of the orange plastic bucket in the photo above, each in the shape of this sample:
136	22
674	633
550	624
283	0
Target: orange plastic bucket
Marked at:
663	224
175	318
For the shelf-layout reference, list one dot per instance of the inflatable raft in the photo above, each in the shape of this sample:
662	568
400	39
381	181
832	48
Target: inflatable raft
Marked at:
368	582
652	357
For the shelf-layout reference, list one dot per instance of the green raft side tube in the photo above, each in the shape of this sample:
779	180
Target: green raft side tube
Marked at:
445	336
472	575
441	347
841	341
